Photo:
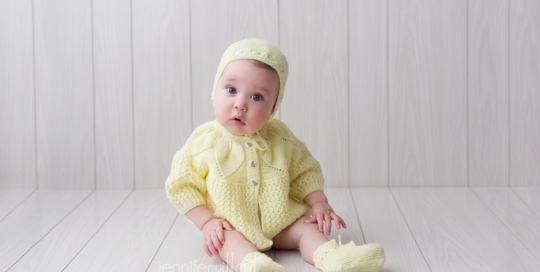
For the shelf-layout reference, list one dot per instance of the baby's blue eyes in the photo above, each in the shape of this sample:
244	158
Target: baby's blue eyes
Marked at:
255	97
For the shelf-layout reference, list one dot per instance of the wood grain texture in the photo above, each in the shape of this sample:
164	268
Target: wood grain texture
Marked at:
488	93
455	229
64	94
56	249
214	26
292	260
529	195
428	93
514	214
342	203
130	238
113	93
457	232
382	222
162	99
182	250
32	220
368	93
313	36
525	93
90	99
10	199
17	112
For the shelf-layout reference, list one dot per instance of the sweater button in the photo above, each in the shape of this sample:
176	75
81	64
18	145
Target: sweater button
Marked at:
254	182
248	144
253	163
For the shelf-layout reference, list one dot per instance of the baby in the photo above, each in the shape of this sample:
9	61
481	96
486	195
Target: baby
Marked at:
247	182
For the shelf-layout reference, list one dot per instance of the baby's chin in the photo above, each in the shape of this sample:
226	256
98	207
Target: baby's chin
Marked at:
235	130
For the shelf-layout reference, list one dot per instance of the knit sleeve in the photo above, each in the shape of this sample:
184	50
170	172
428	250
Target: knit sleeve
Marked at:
305	172
186	185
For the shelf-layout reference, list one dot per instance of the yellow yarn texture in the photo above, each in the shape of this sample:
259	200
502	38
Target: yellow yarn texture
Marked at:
258	262
256	182
334	257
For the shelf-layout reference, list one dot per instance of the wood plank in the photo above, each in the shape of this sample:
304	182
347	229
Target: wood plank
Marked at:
174	254
514	214
530	196
161	75
524	93
17	96
56	249
131	237
291	260
368	93
10	199
315	104
342	203
182	250
32	220
457	232
113	93
428	93
488	93
64	94
211	36
382	222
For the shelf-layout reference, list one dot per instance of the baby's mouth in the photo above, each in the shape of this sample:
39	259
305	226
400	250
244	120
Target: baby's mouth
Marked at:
237	120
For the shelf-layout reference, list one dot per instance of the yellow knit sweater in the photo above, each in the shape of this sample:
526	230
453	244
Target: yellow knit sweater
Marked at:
256	182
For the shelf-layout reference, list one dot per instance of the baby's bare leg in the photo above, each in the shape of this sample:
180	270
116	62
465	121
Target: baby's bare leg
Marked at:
234	250
301	235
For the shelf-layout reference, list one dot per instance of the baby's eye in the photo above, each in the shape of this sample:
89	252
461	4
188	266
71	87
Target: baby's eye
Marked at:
231	90
256	97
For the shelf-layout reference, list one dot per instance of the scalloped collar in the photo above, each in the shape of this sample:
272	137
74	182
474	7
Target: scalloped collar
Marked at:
230	153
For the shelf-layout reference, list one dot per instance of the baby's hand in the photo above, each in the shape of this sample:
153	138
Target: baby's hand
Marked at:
213	235
323	214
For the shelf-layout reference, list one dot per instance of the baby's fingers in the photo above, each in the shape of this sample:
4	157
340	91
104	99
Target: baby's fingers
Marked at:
227	225
221	237
212	244
206	249
338	221
216	241
311	220
328	220
209	247
320	221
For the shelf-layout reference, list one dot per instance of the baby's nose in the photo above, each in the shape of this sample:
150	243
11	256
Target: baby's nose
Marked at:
240	104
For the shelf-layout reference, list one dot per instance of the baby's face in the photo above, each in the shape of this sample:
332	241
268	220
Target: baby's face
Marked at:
245	96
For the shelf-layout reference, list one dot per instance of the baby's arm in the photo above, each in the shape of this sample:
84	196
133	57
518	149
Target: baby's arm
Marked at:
211	227
321	212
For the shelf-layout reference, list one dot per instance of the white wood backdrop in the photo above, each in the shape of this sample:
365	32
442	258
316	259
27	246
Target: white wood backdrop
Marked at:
101	94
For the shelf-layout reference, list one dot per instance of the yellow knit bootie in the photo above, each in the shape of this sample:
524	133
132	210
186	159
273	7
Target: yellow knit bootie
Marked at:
258	262
334	257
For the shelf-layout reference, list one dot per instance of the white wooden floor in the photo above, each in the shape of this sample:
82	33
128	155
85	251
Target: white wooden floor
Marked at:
422	229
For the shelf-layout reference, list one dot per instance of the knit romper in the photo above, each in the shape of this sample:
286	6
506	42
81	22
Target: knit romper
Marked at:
256	182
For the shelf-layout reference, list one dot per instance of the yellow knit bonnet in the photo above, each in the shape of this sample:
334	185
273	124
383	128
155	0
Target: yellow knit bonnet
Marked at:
256	49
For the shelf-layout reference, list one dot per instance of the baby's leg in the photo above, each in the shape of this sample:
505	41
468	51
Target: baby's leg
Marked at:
240	254
329	255
301	235
234	250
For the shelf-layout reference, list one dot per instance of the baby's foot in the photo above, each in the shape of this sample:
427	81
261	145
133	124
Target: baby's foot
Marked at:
258	262
334	257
